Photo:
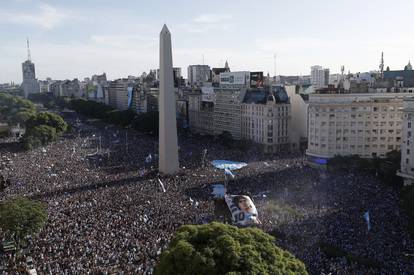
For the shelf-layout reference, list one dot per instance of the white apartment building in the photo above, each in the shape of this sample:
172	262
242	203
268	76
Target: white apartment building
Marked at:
197	74
319	77
368	125
407	146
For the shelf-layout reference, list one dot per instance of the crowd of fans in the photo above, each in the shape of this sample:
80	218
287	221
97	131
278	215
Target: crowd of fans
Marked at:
108	212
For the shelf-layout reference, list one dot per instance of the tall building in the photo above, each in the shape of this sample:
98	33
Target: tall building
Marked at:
319	77
197	74
407	145
29	84
121	92
227	111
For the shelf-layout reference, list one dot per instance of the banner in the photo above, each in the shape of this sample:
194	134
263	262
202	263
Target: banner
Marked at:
242	209
130	96
228	164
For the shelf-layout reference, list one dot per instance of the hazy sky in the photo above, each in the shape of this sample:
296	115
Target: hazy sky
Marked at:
79	38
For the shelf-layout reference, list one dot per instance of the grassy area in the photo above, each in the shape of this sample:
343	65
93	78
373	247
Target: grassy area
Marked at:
281	211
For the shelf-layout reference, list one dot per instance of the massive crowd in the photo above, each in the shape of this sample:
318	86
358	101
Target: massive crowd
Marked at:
109	214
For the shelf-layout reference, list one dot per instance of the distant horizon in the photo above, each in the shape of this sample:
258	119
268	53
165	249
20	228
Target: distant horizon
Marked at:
78	40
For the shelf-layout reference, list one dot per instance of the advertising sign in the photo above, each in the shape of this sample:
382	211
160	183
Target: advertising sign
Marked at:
235	78
242	209
130	96
207	94
256	79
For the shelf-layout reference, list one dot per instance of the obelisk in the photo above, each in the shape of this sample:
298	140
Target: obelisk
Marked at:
168	147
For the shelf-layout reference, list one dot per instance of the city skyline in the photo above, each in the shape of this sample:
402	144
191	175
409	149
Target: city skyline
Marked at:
77	41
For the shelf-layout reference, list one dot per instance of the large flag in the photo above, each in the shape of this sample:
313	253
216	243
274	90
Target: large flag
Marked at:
242	209
231	165
366	218
162	185
227	172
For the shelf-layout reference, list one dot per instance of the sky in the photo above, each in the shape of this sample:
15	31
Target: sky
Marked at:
79	38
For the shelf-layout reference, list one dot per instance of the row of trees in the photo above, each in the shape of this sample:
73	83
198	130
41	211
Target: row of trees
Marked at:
49	101
146	122
41	128
14	109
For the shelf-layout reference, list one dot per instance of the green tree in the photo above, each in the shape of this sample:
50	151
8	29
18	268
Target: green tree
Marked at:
20	217
38	135
11	105
224	249
49	119
146	122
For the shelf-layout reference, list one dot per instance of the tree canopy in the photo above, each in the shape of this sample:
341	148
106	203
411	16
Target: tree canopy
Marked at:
217	248
20	217
48	119
15	109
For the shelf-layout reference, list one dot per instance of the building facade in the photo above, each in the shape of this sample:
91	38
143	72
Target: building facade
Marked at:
200	113
266	119
29	84
197	74
258	115
118	94
407	145
319	77
227	111
367	125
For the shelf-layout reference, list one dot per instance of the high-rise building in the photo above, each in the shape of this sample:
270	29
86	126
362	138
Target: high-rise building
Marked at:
197	74
120	92
29	84
407	145
319	77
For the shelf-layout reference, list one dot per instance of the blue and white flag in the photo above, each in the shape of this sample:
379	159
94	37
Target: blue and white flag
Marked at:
148	159
366	218
231	165
227	172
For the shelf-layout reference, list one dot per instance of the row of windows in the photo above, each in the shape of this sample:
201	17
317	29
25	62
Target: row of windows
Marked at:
352	146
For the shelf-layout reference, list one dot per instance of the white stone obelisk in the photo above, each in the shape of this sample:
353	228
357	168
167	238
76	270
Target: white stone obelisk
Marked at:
168	145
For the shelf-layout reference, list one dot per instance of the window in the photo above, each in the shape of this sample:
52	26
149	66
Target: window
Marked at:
409	125
408	151
407	161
